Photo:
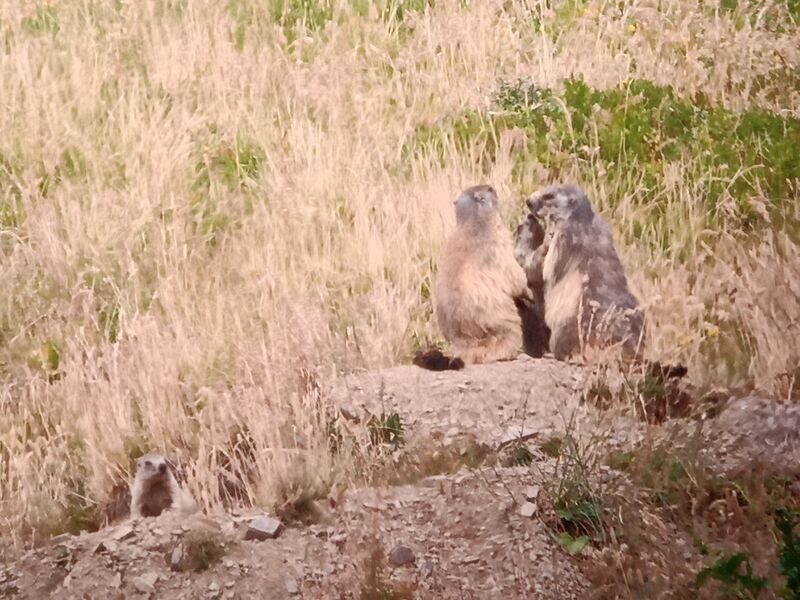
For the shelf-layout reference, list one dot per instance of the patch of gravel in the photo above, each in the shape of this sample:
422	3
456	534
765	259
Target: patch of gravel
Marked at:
472	534
494	402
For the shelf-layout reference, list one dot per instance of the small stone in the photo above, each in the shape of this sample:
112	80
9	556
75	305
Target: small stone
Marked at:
116	581
213	586
99	547
60	539
176	558
532	492
291	587
263	528
145	583
122	533
427	568
401	555
528	509
517	434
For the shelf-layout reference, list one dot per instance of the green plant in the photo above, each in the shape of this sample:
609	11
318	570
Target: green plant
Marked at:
789	558
727	571
203	549
517	455
639	128
576	498
572	544
386	429
45	20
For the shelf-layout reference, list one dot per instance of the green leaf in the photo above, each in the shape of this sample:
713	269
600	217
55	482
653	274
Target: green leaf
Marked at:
573	545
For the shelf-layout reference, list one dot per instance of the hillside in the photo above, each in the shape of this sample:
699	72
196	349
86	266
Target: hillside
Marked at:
214	215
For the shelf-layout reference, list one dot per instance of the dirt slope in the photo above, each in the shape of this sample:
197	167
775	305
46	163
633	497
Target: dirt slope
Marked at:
475	533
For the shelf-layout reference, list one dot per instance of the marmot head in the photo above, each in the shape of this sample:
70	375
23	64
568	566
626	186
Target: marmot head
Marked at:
558	203
152	467
476	204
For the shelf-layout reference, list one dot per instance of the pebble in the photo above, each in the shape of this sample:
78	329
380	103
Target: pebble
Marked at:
263	528
401	555
528	509
291	587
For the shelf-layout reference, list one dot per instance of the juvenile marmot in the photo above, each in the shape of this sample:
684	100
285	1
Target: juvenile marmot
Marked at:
587	302
155	489
480	289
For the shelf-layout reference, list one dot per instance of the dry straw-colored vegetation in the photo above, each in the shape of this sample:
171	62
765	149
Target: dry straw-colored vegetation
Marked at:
208	208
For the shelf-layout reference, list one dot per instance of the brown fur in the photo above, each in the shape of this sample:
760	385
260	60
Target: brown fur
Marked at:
479	284
587	302
155	489
535	332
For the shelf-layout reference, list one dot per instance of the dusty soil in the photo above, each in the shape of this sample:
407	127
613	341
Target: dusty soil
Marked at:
468	534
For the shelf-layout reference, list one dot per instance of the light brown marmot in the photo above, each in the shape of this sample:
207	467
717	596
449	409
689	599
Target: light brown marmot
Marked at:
155	489
481	294
587	302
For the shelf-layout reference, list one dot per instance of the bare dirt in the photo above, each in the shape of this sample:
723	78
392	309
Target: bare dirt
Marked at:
484	532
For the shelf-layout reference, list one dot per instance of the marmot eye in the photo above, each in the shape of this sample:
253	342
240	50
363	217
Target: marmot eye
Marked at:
147	463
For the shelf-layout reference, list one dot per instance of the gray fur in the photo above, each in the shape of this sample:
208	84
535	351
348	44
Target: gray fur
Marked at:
586	296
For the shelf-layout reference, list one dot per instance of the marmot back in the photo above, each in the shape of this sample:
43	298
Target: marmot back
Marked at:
480	289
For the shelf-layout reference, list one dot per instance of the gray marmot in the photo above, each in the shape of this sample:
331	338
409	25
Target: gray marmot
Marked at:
587	302
155	489
481	293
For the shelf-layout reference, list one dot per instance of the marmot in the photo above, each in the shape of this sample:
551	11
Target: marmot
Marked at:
155	489
587	302
535	332
481	292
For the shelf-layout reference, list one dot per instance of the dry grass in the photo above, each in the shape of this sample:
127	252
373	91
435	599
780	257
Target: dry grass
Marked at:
205	213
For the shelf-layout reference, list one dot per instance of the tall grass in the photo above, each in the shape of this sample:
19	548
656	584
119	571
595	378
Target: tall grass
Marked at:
207	209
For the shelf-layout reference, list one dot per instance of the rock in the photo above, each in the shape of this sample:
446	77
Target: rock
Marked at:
122	533
99	547
516	434
176	558
291	587
145	583
116	581
532	492
60	539
528	509
401	555
427	568
263	528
